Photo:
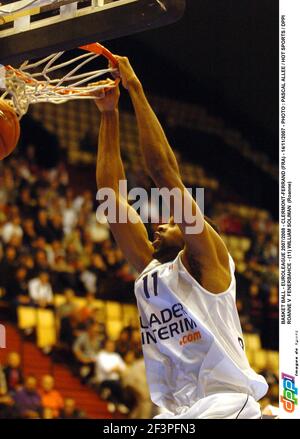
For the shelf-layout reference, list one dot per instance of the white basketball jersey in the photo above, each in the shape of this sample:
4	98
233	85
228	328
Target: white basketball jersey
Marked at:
192	339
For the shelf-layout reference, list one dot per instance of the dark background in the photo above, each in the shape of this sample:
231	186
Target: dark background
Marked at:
223	54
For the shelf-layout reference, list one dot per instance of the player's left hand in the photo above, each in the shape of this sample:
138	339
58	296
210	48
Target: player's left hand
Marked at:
107	99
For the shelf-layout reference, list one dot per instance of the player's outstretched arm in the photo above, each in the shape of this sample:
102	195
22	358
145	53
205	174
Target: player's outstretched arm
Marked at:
157	152
131	236
203	244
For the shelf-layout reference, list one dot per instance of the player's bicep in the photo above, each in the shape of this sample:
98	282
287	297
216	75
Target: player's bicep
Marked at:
132	237
204	242
209	246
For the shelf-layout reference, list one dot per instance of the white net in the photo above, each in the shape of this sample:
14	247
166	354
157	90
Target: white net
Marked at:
37	82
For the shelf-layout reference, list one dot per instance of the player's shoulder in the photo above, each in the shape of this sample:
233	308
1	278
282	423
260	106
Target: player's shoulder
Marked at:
154	263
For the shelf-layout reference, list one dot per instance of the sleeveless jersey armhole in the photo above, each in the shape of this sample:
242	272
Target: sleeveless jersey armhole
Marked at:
195	282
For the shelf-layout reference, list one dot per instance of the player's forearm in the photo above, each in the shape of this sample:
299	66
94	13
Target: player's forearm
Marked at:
109	163
156	150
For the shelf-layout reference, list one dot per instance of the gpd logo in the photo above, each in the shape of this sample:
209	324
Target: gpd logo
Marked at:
288	399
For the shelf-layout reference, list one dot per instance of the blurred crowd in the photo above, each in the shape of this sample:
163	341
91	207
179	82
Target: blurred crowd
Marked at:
24	397
252	237
51	243
50	238
114	369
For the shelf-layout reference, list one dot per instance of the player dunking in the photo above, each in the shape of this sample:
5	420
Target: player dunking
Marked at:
192	338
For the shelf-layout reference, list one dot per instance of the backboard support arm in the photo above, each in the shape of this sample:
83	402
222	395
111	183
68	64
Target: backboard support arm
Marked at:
116	19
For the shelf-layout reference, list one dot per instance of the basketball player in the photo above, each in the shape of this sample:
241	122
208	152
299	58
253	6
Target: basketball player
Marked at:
191	334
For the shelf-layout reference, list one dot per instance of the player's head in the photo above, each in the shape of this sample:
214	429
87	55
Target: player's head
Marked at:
169	240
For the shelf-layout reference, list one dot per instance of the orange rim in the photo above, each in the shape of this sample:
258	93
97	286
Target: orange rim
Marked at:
101	50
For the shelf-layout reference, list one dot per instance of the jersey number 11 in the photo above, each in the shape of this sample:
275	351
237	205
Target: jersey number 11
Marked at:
145	283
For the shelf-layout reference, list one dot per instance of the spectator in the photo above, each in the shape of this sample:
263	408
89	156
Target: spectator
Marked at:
256	306
134	380
3	384
17	286
58	249
244	317
13	372
39	244
27	261
86	312
65	314
48	413
42	201
7	407
40	290
256	251
69	215
86	348
63	274
27	399
71	253
41	262
136	345
113	260
29	235
99	232
270	252
70	411
99	268
56	227
123	344
42	226
25	203
108	370
12	228
83	279
88	250
50	397
74	238
8	267
86	279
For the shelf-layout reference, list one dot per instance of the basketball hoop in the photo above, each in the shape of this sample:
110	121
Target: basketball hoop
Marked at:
33	83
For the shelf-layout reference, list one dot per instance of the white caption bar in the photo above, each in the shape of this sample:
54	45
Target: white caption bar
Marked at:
289	205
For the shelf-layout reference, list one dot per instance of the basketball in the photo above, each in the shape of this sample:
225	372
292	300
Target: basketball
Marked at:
9	129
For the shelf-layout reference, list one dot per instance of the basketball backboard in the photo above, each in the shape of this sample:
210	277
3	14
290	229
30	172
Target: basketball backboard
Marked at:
30	29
